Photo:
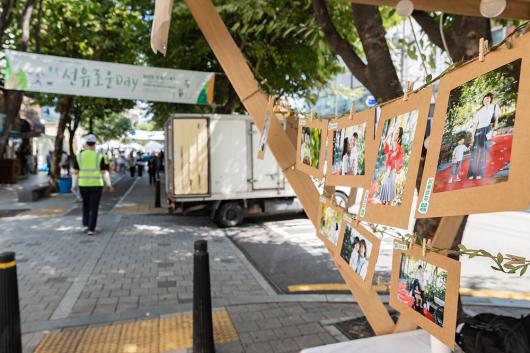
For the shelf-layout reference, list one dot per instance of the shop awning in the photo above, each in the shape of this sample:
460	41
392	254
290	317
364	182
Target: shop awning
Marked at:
30	112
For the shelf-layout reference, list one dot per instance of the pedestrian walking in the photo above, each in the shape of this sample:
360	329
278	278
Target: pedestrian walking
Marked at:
151	168
91	173
132	164
140	165
121	163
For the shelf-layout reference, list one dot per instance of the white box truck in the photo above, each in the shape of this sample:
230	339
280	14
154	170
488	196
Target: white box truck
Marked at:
211	164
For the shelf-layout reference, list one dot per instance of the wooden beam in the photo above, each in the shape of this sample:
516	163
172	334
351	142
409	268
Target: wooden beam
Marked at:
515	9
236	68
243	81
446	232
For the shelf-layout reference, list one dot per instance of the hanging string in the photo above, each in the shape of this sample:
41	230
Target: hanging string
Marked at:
455	65
419	50
442	34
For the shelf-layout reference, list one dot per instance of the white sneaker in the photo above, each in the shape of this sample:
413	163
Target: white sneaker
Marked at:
85	229
450	181
471	178
90	233
479	177
458	179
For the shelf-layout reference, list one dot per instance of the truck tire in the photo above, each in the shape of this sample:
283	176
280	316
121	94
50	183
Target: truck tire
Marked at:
230	214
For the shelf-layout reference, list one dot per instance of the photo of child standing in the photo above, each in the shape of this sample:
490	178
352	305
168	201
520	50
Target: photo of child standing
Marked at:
456	161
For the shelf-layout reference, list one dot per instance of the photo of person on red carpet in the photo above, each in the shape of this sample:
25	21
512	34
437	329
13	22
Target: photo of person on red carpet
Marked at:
422	287
477	138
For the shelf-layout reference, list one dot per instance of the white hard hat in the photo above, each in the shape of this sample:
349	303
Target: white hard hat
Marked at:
90	139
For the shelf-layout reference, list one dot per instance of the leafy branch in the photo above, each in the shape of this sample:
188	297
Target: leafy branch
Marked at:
506	263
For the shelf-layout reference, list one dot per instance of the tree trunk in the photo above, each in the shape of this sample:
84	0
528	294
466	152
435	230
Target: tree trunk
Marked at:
378	74
90	124
462	37
8	8
72	128
381	73
64	117
13	101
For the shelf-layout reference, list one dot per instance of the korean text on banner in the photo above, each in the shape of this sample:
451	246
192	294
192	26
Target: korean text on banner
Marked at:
54	74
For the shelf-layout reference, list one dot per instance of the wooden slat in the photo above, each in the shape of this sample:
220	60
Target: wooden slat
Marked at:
446	232
515	9
236	68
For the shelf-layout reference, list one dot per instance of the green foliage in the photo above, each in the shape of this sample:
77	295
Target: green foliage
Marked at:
507	263
146	125
280	39
113	127
105	30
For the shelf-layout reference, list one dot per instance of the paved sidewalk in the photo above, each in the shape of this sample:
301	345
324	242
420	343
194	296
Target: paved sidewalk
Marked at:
137	273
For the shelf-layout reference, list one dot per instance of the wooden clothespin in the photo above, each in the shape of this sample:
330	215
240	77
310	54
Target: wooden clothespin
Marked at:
423	247
312	115
409	86
483	48
352	111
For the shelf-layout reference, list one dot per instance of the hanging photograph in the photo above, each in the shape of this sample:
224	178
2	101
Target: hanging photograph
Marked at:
310	148
350	147
330	221
359	252
425	289
401	130
393	157
478	144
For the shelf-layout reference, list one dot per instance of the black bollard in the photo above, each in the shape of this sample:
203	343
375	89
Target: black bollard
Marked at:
10	333
157	192
202	301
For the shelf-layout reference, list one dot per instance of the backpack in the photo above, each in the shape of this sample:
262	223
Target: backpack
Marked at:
490	333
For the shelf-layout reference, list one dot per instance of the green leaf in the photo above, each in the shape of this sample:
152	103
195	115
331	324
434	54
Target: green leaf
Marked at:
499	258
523	271
462	247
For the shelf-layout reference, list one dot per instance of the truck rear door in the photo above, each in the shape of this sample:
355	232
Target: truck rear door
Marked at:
265	173
190	157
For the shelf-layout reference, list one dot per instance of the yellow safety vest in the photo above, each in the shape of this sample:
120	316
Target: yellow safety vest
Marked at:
89	168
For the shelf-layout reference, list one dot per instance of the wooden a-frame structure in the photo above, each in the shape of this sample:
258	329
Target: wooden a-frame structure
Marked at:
282	144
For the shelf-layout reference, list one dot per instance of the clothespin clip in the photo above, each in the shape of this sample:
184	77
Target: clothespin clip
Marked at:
352	111
409	86
483	48
312	115
423	247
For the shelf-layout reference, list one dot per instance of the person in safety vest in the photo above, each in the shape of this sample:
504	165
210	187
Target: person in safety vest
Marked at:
91	173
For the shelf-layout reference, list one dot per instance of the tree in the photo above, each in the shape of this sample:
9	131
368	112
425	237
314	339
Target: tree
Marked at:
377	72
280	39
112	127
111	30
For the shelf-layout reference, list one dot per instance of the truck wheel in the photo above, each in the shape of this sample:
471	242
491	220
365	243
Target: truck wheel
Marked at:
230	214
